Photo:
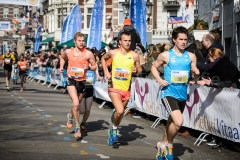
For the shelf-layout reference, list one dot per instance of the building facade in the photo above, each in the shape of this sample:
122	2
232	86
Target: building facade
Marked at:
164	10
8	38
55	12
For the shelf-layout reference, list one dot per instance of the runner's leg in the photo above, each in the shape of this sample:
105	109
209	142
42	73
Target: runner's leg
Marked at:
174	124
118	104
88	105
75	103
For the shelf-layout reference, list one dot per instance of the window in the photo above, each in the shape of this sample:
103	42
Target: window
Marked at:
5	12
172	13
89	14
60	22
15	12
60	10
120	13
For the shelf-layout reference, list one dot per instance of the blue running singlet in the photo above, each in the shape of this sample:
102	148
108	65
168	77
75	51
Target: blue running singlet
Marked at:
91	78
177	73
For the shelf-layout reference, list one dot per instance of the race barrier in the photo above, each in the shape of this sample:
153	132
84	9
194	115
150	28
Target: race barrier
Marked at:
48	75
210	110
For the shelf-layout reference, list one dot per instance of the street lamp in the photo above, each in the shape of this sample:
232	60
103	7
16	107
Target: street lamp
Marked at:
125	6
148	10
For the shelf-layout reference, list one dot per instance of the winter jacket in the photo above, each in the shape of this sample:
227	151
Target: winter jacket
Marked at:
202	64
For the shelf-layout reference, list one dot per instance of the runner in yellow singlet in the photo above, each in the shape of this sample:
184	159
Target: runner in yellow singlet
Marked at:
124	63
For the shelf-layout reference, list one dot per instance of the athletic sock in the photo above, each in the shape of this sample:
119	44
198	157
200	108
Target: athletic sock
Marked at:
114	127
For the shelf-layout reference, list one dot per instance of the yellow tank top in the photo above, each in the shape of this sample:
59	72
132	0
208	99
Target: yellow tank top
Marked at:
122	70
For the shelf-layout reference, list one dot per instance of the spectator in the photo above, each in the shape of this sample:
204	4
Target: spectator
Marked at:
151	57
167	47
192	47
222	72
208	43
135	38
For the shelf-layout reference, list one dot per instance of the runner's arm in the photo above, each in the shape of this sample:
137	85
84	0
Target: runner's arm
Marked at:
13	59
104	59
156	64
91	60
63	59
194	69
136	59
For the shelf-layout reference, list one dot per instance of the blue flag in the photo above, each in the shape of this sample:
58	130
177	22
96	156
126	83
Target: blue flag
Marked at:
74	23
138	18
37	39
94	38
64	27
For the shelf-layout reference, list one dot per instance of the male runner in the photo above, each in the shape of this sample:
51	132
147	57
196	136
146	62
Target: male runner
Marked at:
78	64
86	103
178	64
124	63
8	60
23	66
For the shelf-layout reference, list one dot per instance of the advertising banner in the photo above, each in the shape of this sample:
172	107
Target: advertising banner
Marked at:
74	23
21	2
5	25
95	34
138	18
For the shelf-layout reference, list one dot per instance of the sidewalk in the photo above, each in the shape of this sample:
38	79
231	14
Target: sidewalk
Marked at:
33	126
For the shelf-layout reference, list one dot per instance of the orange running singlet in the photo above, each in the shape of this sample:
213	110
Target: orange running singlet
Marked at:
76	65
22	66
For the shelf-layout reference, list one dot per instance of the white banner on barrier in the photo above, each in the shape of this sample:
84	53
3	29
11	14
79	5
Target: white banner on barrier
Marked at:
215	111
147	97
101	90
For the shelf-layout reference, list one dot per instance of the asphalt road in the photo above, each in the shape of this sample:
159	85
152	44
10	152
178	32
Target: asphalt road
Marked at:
33	127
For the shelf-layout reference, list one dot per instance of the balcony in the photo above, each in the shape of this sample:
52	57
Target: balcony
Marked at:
171	3
159	32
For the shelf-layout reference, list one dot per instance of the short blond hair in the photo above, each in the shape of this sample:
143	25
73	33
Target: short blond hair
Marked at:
78	34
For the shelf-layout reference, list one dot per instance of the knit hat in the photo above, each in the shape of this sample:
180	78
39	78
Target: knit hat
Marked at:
127	22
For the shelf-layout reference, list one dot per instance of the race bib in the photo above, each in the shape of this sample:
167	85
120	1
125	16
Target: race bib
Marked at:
7	60
89	81
35	65
179	76
121	74
23	67
76	72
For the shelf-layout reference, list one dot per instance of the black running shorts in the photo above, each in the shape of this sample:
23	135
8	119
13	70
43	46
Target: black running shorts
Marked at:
88	92
79	85
172	104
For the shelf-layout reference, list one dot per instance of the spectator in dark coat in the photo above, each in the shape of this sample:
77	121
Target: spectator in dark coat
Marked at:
135	38
208	43
222	72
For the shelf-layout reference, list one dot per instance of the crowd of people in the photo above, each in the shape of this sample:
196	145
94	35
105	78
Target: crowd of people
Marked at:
173	66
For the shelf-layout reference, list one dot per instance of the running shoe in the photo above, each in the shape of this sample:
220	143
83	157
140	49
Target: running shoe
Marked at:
112	117
8	88
112	133
212	143
169	152
77	133
83	128
70	121
21	89
161	149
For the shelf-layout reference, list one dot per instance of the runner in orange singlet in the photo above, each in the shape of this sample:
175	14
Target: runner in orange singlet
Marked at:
78	64
124	63
23	65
